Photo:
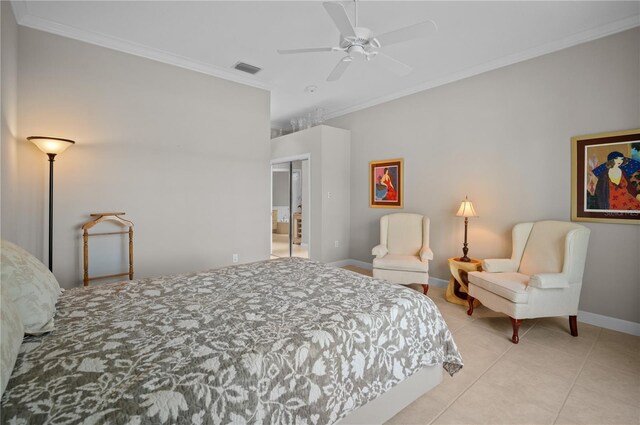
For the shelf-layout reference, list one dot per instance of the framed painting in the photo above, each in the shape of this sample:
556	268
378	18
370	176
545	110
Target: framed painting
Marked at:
386	184
605	174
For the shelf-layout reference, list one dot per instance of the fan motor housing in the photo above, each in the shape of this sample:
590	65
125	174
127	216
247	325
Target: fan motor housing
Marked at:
362	38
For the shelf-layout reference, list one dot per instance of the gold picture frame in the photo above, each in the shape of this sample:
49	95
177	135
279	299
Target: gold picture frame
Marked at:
386	183
605	177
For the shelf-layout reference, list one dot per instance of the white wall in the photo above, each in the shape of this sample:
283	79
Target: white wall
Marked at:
168	146
328	148
23	170
503	138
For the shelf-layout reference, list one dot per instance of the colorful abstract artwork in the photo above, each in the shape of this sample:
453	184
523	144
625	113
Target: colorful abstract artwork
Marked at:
606	177
386	184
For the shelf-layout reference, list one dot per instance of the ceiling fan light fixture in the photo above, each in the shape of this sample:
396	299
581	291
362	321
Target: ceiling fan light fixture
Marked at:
357	52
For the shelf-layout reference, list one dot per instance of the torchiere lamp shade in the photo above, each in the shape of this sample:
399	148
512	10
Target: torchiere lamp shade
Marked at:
51	145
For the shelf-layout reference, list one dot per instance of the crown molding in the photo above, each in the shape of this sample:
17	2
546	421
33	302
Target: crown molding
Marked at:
24	18
579	38
19	9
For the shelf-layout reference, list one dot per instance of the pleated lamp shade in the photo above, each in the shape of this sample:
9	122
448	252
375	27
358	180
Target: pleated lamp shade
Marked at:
466	209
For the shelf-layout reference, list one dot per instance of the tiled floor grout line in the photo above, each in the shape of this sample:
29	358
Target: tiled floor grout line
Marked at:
575	379
470	385
491	366
498	330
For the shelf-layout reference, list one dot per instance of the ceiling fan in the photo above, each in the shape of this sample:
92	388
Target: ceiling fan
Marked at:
360	43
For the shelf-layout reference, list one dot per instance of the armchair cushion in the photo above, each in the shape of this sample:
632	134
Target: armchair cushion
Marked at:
379	251
401	262
499	265
405	233
512	286
545	248
549	280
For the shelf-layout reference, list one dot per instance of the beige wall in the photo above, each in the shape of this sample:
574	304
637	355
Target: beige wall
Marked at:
503	138
22	182
168	146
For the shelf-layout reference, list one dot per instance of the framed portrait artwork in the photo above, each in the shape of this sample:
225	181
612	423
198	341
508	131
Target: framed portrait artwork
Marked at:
386	184
605	174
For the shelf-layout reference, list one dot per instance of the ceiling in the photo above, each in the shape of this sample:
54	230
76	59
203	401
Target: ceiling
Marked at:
211	36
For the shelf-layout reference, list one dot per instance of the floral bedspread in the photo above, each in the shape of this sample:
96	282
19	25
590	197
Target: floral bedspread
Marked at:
286	341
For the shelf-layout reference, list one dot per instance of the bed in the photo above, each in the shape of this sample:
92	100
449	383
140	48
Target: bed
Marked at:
279	341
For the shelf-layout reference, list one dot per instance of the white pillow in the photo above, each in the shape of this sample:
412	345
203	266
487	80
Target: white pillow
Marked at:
30	286
11	334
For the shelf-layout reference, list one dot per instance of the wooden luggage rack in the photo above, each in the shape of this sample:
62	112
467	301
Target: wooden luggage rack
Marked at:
100	217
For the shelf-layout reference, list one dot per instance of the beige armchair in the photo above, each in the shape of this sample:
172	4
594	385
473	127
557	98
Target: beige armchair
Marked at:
403	254
542	278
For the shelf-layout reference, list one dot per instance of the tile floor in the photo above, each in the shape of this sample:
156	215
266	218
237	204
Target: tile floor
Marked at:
280	247
550	377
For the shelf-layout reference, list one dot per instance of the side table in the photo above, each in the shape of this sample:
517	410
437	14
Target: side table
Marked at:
457	290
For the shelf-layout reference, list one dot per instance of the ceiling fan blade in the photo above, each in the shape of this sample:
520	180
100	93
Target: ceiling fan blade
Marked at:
339	16
393	65
310	50
421	30
339	69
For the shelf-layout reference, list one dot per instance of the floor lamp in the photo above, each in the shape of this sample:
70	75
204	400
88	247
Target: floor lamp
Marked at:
52	146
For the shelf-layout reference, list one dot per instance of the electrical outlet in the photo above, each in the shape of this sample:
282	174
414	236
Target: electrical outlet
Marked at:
235	258
328	195
337	244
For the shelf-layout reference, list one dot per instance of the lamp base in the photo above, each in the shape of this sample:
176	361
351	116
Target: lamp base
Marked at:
464	259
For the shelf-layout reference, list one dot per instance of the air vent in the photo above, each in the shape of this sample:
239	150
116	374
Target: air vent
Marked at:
245	67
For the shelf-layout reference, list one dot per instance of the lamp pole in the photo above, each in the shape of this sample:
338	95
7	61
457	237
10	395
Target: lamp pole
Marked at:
465	250
52	157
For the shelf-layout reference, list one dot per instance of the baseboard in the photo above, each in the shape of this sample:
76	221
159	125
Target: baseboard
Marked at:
349	262
434	281
438	283
606	322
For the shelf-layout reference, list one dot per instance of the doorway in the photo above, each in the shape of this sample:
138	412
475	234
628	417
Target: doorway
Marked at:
290	209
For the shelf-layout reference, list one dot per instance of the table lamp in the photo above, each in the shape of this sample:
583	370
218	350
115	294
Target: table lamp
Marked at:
51	146
466	210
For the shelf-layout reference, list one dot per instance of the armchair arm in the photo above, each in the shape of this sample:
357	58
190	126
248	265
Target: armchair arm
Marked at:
379	251
426	254
499	265
549	280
